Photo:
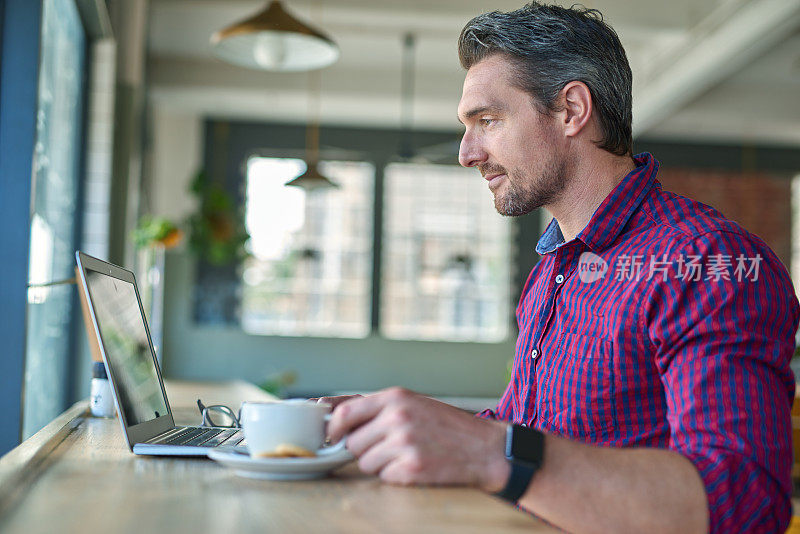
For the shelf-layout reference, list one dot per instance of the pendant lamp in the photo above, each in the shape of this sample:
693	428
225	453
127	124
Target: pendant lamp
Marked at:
312	179
274	40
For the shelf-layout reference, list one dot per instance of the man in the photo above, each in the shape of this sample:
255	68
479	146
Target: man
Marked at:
651	388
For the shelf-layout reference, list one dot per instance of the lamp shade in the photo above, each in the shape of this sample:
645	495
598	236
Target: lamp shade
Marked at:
312	180
274	40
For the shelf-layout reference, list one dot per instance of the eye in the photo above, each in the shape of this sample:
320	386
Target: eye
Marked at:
486	122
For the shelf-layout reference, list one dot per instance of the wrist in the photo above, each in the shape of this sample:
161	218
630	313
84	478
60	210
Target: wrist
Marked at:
524	452
497	474
496	468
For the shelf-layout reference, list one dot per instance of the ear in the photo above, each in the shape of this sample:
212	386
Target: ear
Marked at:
577	110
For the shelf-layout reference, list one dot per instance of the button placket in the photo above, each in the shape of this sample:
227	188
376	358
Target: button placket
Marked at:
542	324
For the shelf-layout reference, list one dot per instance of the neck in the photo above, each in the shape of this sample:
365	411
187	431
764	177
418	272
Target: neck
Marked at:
589	182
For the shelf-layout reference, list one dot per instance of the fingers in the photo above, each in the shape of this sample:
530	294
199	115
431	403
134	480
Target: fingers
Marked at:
378	457
374	460
407	438
368	435
350	415
335	400
404	471
355	412
388	446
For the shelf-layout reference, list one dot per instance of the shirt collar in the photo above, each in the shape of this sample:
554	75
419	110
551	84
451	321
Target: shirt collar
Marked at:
613	213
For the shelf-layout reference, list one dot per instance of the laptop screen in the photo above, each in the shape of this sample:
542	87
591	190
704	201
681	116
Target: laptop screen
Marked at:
127	347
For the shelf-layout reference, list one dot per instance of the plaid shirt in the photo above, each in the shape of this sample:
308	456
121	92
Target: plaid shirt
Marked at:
664	324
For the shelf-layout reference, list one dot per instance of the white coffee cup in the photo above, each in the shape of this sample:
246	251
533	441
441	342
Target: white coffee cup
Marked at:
294	422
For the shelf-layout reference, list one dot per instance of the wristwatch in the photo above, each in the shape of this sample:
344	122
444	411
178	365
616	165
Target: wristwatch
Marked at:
524	452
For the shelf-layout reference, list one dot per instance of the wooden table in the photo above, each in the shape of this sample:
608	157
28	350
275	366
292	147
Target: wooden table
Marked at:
77	475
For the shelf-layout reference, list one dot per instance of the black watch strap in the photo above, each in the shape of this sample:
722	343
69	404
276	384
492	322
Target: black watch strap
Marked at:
518	481
525	452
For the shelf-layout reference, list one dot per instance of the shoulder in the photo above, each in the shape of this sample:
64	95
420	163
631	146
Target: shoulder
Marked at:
681	224
685	216
732	271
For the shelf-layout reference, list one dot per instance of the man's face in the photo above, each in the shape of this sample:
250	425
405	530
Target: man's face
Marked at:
514	145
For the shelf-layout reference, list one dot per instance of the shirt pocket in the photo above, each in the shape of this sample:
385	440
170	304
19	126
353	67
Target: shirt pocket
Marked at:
577	397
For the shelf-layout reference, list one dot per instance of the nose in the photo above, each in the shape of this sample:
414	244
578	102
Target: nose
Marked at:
470	152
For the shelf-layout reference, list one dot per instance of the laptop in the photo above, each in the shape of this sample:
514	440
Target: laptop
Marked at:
124	340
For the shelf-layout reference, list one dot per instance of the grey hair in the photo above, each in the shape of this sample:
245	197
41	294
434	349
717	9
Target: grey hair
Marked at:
552	46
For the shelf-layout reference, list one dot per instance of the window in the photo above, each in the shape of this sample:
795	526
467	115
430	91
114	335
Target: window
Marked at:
446	256
439	267
311	260
55	211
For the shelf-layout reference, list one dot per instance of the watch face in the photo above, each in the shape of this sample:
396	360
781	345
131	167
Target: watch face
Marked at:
527	445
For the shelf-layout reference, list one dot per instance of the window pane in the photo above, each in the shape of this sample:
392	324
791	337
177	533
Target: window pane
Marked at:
55	189
446	256
309	273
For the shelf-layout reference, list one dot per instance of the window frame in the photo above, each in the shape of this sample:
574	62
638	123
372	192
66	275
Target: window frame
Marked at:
19	86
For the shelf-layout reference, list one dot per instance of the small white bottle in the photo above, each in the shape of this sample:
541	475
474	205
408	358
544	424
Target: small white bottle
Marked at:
101	401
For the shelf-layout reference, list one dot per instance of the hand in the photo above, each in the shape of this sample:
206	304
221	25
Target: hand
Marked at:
407	438
336	400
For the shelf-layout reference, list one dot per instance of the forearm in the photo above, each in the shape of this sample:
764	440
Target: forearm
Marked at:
584	488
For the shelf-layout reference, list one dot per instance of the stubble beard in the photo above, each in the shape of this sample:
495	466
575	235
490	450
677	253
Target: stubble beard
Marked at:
521	198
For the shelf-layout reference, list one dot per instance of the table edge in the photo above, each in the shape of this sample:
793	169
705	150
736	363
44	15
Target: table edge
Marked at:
20	467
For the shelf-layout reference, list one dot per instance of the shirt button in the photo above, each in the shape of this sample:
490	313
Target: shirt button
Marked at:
559	278
534	353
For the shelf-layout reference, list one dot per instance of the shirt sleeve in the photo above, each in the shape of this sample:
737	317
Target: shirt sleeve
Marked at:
722	349
503	410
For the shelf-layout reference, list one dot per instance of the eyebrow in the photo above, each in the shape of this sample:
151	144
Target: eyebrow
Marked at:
481	109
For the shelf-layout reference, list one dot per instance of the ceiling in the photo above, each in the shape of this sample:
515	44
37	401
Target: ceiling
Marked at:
712	70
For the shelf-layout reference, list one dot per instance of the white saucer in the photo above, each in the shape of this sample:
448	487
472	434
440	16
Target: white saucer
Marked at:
280	468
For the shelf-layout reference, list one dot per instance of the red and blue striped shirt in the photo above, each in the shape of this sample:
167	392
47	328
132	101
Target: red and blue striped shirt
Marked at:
664	324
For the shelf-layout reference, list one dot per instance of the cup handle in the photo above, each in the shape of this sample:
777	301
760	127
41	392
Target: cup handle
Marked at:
332	449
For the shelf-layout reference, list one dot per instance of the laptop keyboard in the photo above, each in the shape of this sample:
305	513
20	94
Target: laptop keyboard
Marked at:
199	437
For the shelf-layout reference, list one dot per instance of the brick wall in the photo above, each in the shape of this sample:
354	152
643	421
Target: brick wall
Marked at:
759	202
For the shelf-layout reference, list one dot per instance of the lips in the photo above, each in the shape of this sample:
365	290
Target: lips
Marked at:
494	179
